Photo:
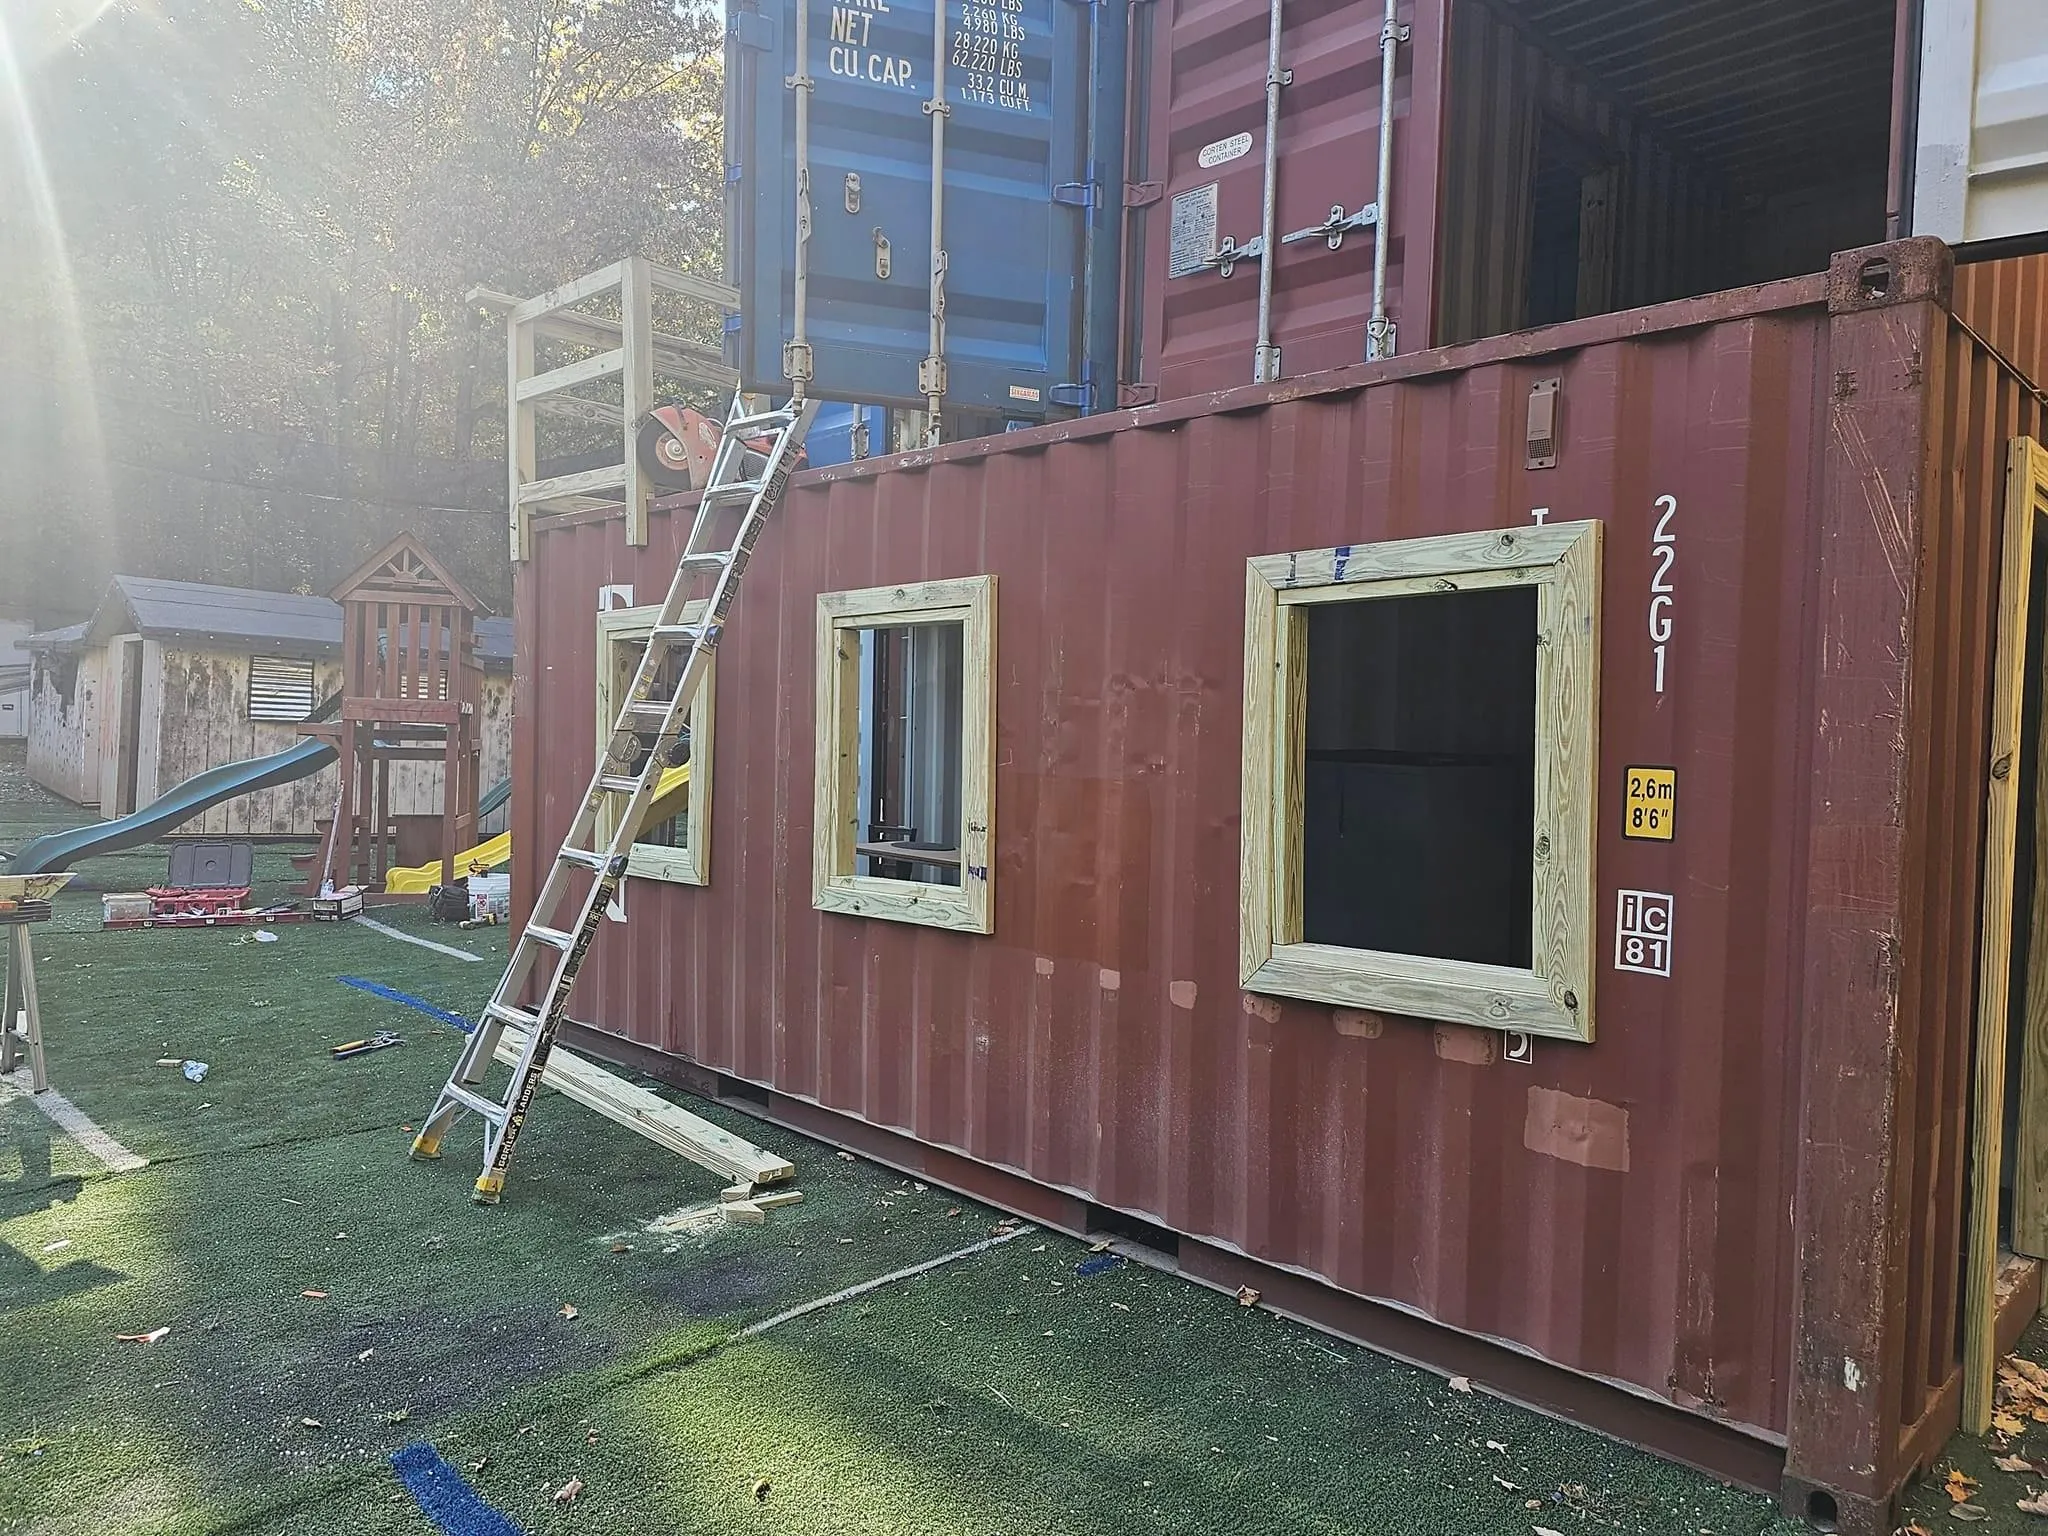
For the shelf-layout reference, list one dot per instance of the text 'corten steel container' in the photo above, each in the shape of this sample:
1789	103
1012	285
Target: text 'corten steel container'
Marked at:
1730	1227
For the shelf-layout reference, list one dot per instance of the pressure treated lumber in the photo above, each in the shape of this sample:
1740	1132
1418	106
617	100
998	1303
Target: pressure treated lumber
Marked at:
665	1124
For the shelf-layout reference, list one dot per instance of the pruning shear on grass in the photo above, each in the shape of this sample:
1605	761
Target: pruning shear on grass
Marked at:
376	1042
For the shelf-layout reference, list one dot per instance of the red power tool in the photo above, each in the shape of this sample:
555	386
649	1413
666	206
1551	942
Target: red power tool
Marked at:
677	443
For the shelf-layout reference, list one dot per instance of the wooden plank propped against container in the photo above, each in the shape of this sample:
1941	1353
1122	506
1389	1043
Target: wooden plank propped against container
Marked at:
2026	496
650	1115
2030	1154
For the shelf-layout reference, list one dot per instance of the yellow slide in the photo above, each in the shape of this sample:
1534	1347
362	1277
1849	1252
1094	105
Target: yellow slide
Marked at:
671	798
421	878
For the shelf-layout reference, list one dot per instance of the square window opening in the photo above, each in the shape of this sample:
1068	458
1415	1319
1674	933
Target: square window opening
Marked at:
668	819
912	701
1419	775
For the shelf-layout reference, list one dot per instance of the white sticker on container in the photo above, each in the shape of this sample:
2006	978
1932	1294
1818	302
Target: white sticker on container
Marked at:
1191	236
1223	151
1642	932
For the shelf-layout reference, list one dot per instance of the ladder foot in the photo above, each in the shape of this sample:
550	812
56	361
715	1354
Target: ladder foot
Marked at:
427	1148
488	1188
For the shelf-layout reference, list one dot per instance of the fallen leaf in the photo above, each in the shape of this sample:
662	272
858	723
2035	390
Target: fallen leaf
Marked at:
761	1491
1495	1445
58	1246
1461	1383
1958	1485
364	1357
314	1295
1101	1247
479	1464
311	1424
566	1494
1968	1512
1247	1297
1120	1306
1511	1487
622	1247
1544	1530
569	1311
2008	1424
142	1338
952	1210
846	1157
398	1416
2012	1464
2037	1505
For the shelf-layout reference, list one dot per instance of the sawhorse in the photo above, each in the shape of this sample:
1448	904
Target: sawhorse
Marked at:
18	1006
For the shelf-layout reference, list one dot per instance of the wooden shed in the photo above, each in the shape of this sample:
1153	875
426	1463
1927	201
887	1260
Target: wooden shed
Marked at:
170	678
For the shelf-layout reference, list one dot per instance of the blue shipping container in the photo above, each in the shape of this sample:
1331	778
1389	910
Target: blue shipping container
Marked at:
1029	198
842	433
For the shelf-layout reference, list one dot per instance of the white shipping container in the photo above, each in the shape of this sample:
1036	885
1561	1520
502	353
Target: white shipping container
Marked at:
1980	168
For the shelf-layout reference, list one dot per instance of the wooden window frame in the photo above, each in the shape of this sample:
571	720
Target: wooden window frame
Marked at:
1554	994
968	907
691	864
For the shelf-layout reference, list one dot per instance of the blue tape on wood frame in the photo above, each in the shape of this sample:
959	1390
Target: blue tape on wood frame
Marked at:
417	1004
444	1497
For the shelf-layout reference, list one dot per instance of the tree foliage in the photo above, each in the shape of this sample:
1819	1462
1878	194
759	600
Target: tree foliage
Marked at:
243	231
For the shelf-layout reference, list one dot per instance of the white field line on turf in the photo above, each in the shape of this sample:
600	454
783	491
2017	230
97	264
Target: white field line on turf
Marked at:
877	1283
75	1123
409	938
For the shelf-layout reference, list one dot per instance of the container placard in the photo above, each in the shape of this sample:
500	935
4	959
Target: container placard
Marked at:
1649	804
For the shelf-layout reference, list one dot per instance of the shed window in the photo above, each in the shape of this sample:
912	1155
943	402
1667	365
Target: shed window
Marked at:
906	725
280	688
674	841
1420	722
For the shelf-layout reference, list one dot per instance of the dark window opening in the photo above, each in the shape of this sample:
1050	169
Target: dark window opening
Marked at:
912	693
1419	775
1567	225
668	823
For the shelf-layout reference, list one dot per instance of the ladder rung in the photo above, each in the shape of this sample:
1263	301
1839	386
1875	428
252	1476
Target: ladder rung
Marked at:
650	709
540	933
490	1109
738	490
506	1013
588	858
717	560
618	783
674	634
745	426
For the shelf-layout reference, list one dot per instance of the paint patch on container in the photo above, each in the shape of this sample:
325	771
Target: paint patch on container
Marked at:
1358	1024
1267	1008
1467	1043
1223	151
1182	994
1110	980
1043	965
1589	1132
1852	1374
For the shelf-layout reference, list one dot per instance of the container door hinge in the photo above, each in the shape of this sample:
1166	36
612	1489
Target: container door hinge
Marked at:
1336	225
1076	194
1230	253
1143	194
1130	396
1079	397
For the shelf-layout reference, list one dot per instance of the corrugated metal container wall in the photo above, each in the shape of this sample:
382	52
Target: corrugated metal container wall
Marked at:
1651	226
1099	1040
1200	123
2006	303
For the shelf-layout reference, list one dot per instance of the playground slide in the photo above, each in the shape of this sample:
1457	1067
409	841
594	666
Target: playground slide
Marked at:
418	879
59	850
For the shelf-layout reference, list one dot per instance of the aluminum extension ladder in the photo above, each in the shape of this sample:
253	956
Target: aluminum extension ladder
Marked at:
752	467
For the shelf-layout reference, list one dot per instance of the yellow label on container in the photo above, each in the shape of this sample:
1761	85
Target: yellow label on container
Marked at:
1649	806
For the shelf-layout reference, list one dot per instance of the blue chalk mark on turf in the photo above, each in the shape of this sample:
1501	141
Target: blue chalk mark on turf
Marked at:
444	1497
417	1004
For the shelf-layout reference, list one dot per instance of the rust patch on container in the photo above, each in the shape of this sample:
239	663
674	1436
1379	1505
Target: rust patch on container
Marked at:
1588	1132
1108	980
1467	1043
1357	1023
1266	1008
1181	994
